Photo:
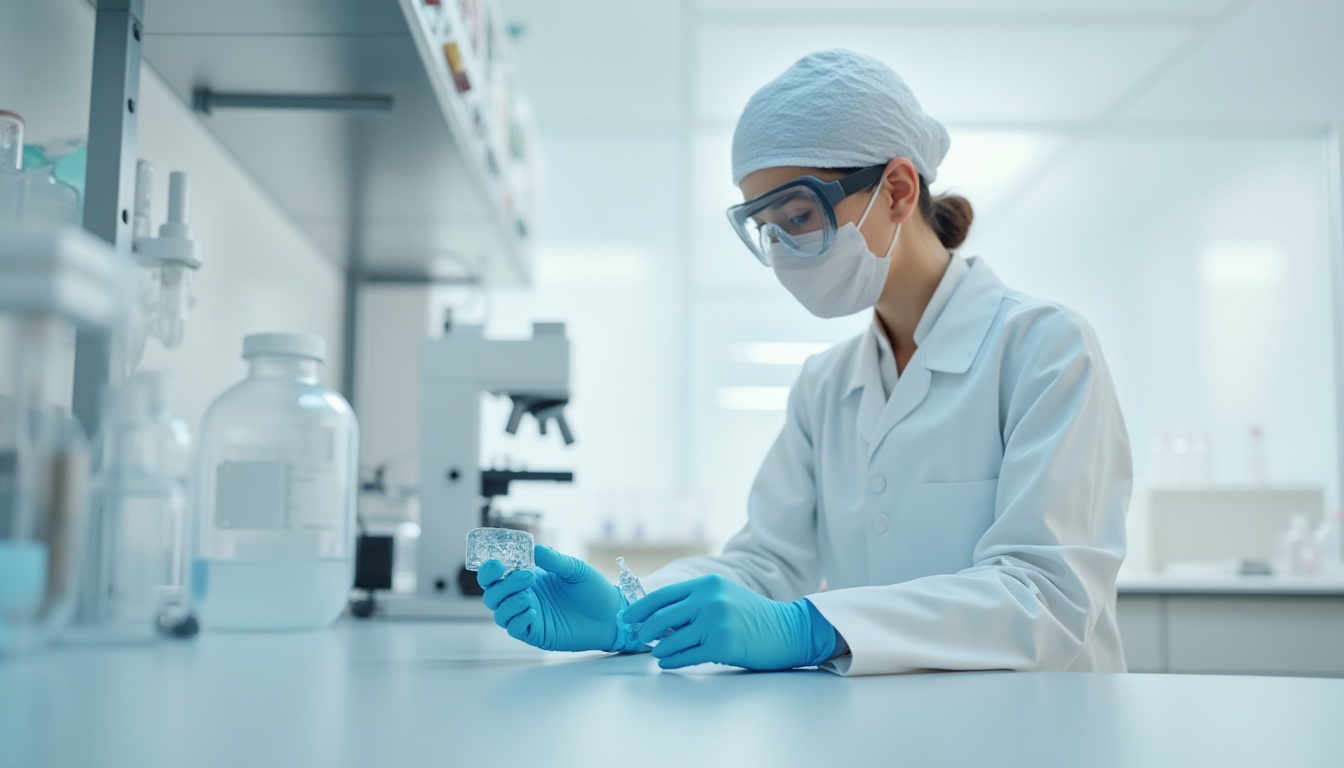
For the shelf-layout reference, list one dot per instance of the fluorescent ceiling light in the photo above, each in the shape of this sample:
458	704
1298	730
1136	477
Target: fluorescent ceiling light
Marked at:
1242	264
753	398
778	352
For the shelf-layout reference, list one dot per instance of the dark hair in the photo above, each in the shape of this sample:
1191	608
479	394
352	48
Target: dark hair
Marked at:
948	215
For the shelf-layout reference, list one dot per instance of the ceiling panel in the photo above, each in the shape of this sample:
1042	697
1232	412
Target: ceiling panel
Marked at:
964	73
1278	61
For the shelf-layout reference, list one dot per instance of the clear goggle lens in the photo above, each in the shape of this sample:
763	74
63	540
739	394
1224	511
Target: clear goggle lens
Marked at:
794	217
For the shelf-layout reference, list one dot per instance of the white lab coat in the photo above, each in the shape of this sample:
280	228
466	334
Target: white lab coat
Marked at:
975	520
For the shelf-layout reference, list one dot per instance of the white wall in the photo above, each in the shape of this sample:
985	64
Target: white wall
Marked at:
1153	172
261	272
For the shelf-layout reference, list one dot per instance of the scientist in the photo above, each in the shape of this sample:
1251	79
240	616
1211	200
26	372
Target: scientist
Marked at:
949	488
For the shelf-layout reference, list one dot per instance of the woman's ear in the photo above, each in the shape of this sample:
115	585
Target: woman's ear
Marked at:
902	183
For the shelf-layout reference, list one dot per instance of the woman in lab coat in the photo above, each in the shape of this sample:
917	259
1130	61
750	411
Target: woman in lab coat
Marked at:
949	489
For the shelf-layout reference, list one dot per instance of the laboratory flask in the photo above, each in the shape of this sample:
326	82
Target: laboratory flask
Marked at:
133	576
31	199
13	183
275	493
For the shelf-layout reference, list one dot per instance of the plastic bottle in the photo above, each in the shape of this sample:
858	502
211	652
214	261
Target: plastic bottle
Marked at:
275	493
131	583
1330	543
1181	459
1256	455
1201	454
1297	550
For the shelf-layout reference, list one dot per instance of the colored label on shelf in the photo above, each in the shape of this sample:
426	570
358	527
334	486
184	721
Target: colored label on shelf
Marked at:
453	56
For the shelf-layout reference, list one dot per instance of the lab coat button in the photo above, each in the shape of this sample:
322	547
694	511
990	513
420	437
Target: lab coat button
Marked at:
880	523
878	484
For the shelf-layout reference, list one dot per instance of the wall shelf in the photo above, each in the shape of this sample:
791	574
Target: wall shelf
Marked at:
413	192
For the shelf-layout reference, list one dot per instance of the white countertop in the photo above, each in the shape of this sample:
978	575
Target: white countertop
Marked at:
1159	584
465	694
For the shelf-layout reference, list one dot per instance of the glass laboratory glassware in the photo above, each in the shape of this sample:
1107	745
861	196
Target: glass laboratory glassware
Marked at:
12	184
169	439
275	493
1330	543
44	468
132	585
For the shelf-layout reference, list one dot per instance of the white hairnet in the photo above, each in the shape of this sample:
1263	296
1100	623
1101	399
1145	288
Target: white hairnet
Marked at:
836	109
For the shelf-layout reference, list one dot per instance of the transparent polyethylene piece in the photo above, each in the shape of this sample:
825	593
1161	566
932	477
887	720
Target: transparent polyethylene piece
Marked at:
513	548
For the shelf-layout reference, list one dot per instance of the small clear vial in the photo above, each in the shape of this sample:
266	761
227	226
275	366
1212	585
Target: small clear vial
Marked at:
630	587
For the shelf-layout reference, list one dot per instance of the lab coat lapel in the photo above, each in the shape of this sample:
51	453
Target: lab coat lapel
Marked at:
951	347
909	392
873	399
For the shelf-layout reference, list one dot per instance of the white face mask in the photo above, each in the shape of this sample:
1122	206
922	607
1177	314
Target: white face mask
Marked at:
844	279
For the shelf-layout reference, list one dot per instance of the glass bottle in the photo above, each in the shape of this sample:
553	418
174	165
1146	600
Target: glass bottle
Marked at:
132	586
44	468
12	184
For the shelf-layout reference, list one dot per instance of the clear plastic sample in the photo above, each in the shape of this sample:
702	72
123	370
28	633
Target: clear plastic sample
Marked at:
275	494
630	587
511	547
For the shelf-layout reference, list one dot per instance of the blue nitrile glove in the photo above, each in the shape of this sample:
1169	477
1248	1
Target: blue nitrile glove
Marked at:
563	604
714	619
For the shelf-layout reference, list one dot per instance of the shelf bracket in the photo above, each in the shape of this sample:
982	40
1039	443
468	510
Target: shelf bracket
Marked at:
110	185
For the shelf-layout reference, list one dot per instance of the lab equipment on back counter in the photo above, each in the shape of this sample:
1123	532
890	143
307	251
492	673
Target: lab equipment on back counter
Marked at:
456	493
133	569
276	493
1330	543
50	283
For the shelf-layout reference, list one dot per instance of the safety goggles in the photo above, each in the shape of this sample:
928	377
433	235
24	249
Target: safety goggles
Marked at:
800	215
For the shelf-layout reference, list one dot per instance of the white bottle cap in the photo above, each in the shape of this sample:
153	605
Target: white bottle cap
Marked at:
308	345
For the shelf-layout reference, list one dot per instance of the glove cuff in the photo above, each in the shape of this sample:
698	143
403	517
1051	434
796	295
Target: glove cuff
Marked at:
820	633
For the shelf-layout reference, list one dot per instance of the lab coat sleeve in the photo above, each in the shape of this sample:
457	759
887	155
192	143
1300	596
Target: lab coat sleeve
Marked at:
776	553
1045	569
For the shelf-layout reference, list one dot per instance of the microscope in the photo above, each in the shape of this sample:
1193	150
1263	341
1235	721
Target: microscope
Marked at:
456	494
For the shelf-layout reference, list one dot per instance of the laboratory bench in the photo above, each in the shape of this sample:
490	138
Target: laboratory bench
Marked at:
1248	625
381	693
